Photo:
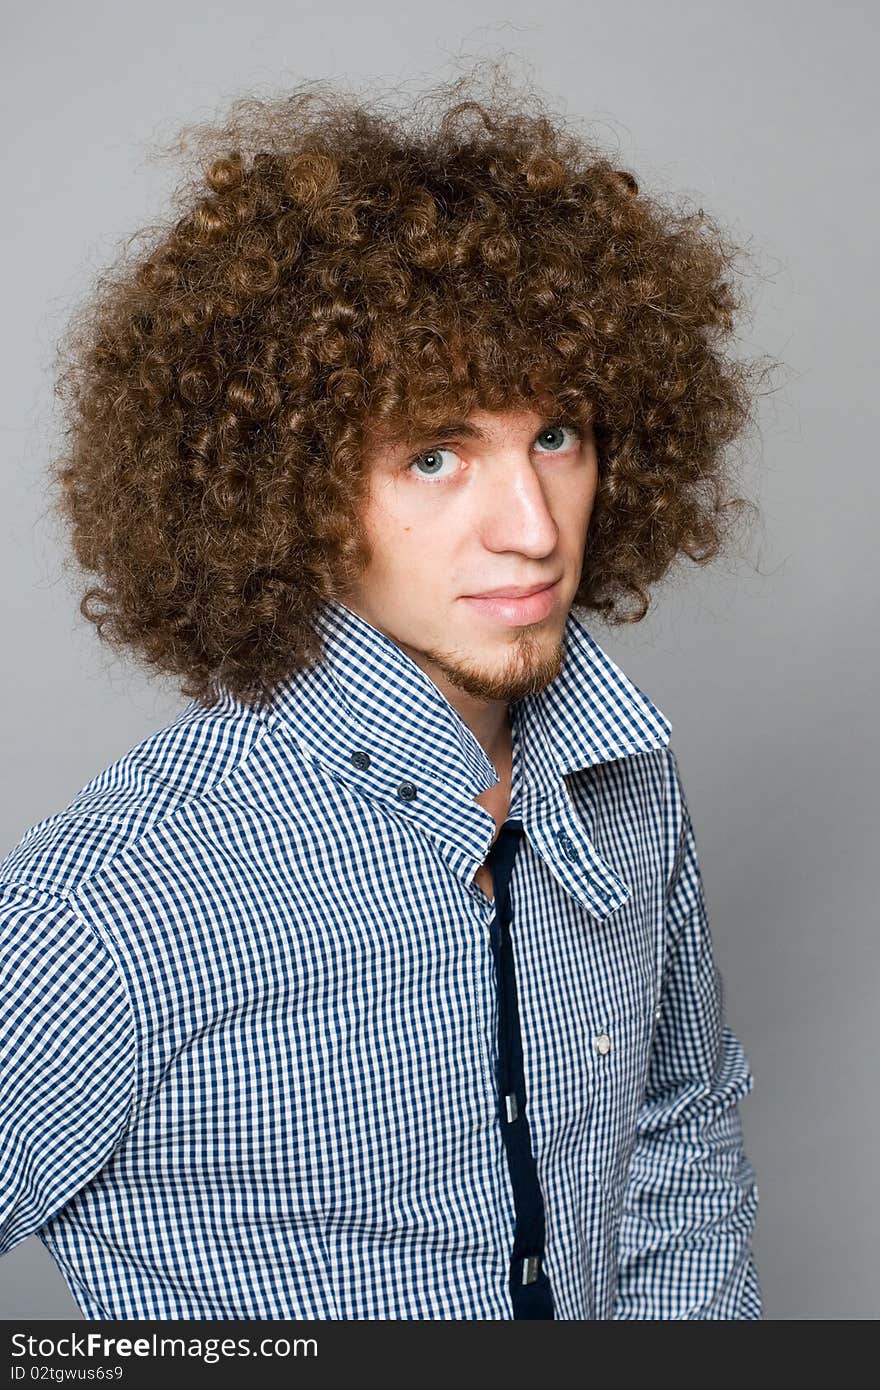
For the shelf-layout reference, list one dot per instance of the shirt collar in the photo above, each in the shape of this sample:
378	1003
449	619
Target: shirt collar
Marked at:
371	718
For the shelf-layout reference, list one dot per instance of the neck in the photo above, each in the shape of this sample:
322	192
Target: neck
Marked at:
488	720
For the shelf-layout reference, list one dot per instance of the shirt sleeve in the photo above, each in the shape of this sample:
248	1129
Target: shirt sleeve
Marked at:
67	1053
691	1198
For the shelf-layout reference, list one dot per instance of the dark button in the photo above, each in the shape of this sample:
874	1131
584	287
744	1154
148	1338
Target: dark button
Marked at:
566	844
360	760
407	792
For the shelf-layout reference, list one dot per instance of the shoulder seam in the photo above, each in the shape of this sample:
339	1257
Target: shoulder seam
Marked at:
137	1060
66	899
65	894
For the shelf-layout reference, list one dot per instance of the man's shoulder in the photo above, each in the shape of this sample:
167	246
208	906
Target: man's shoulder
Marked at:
153	780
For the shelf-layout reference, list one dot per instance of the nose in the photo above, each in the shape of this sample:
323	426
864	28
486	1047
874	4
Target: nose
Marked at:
515	510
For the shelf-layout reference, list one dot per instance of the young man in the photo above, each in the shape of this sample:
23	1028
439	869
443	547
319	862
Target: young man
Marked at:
379	983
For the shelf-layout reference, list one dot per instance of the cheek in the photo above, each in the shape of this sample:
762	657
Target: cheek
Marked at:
572	507
384	531
401	552
588	494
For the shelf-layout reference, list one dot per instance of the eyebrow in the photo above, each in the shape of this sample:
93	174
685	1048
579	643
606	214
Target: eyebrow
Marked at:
451	429
459	429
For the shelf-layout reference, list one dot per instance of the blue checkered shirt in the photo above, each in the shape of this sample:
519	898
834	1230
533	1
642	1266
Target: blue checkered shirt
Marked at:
249	1013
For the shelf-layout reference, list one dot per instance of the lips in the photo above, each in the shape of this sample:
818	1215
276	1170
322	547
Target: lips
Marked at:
514	591
516	606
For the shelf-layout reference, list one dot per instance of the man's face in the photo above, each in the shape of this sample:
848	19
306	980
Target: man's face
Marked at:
453	518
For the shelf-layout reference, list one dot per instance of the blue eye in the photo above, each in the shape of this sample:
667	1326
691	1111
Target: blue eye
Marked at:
553	432
434	461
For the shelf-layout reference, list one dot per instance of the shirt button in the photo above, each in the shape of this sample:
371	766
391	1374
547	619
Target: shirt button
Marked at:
566	844
657	1011
360	760
602	1044
407	792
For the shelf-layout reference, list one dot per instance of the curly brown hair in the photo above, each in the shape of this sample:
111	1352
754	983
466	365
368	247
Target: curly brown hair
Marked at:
337	273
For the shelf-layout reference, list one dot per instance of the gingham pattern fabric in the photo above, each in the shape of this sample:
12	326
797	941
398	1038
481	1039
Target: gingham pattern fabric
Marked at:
248	1020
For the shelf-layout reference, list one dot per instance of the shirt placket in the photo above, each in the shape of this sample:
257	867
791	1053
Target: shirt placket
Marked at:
529	1284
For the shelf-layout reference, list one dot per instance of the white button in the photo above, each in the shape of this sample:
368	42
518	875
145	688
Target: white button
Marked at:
531	1269
602	1044
657	1012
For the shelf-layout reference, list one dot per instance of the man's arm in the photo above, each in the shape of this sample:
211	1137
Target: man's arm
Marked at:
691	1198
66	1058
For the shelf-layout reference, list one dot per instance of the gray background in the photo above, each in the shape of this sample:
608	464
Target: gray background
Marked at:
761	113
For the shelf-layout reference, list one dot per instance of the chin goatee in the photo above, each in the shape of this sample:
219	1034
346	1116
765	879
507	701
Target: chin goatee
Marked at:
528	670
